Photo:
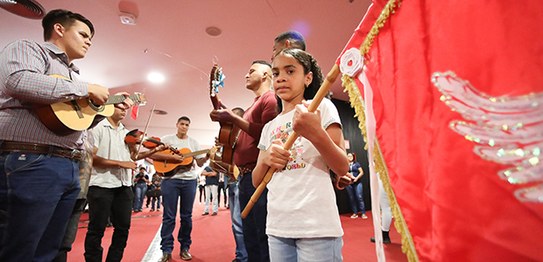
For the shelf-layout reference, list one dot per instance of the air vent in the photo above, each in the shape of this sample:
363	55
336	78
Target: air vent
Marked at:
25	8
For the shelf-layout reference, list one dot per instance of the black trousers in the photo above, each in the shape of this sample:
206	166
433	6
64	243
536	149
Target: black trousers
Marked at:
104	203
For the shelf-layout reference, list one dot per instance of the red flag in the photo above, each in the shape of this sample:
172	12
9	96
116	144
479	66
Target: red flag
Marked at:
135	111
457	201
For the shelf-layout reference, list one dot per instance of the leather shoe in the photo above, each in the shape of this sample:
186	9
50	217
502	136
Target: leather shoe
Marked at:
185	255
385	240
166	257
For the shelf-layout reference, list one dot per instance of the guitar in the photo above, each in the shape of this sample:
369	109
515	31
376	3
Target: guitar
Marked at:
228	132
64	118
164	168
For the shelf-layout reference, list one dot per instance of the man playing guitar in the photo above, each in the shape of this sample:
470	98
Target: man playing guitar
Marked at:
263	109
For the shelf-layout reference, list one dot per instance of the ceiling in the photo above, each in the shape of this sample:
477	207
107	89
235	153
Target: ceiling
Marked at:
170	36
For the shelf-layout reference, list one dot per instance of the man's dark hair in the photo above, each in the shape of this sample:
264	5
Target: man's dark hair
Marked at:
65	18
262	62
296	39
186	118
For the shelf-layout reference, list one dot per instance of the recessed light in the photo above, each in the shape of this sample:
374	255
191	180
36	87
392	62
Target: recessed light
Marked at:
156	77
127	18
213	31
159	112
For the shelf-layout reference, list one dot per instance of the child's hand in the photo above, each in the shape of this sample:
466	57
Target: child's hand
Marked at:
304	122
276	156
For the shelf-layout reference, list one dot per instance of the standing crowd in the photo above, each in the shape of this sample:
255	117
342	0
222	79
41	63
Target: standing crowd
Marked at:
47	177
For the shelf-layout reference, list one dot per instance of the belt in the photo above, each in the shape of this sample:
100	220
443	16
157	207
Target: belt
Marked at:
32	148
245	169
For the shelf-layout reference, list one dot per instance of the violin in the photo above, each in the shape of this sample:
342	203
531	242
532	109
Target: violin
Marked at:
137	137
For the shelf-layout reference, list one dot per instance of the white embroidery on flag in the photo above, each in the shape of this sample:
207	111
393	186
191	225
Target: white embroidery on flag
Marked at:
507	129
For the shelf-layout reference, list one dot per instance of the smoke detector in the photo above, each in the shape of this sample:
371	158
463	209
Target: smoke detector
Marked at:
127	18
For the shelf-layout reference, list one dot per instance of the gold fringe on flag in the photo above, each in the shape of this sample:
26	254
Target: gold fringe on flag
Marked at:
356	101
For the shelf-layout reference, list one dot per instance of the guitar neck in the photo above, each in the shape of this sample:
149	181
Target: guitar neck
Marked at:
195	153
215	101
117	99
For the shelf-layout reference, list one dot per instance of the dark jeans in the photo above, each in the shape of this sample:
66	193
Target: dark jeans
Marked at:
71	231
104	203
37	196
254	225
173	191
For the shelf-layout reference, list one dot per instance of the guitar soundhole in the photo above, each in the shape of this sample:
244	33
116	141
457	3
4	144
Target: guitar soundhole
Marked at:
95	107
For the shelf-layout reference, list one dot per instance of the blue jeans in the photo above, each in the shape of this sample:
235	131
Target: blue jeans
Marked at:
355	198
139	195
237	227
326	249
254	225
172	191
37	196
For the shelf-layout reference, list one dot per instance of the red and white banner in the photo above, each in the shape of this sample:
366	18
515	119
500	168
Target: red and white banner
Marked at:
457	101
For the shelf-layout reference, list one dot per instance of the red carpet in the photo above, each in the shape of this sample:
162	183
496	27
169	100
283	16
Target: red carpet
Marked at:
212	238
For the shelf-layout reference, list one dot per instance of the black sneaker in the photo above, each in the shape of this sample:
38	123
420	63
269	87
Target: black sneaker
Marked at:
185	255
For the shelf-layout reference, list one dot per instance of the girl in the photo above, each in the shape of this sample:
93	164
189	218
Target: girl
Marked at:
303	220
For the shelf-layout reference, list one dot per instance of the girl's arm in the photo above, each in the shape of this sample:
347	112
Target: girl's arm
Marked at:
329	142
274	157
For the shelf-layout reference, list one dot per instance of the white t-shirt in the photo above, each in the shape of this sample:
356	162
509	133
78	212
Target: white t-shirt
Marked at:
193	146
301	199
110	144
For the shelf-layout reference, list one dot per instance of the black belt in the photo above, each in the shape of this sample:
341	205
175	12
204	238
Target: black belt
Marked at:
245	169
32	148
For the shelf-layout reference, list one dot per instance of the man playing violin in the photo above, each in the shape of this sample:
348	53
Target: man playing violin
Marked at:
263	109
179	184
110	194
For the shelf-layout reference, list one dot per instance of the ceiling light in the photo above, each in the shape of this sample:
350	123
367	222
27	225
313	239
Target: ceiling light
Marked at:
160	112
127	18
156	78
213	31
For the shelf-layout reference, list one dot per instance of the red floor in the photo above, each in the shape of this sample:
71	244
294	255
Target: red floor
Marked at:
213	240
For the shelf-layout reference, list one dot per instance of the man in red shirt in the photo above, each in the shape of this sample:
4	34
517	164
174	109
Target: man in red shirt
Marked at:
263	109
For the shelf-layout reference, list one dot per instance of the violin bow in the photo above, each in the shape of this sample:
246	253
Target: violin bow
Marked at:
145	128
323	91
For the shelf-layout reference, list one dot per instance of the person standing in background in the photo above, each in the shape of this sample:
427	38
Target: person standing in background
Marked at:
141	180
354	190
223	183
179	186
212	183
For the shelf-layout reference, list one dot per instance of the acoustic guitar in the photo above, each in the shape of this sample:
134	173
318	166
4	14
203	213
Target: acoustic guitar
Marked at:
228	132
64	118
164	168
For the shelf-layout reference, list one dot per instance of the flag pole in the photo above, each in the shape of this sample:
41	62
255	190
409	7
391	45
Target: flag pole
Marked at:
323	91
